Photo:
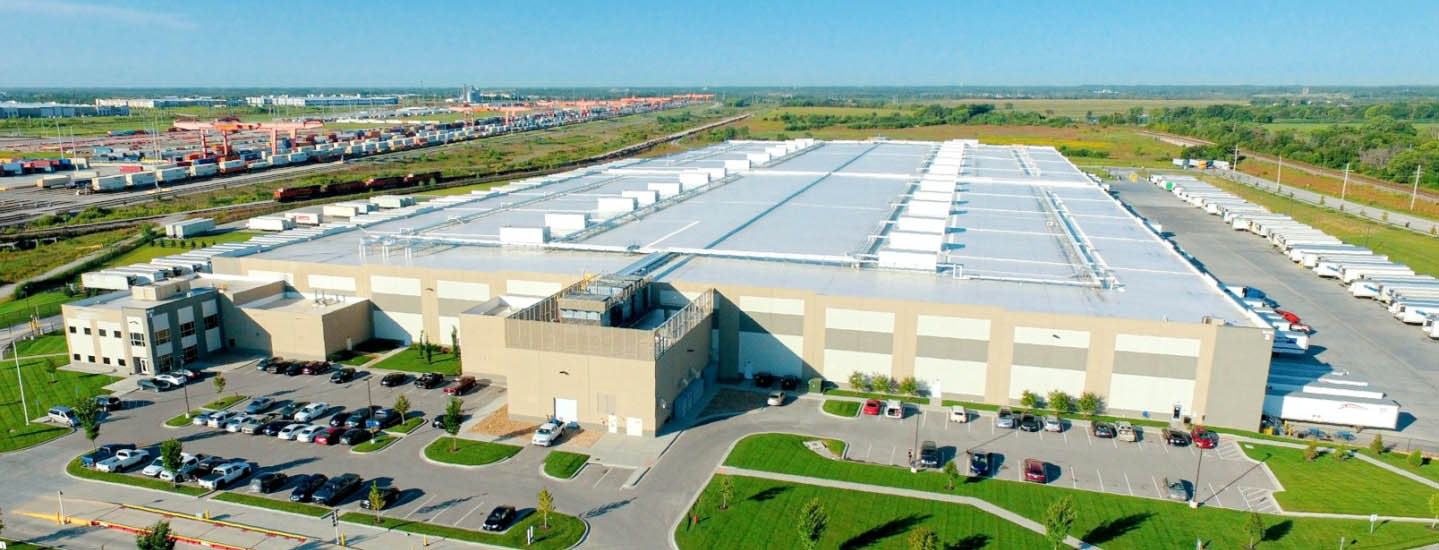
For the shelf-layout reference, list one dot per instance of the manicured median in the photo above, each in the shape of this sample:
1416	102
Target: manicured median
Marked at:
411	360
225	402
378	442
880	396
762	515
564	465
181	421
840	407
273	504
1111	521
407	426
75	469
465	452
564	530
1328	484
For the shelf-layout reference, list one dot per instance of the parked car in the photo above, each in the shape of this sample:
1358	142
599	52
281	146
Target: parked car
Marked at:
438	422
548	434
1126	432
978	463
207	465
289	408
123	459
499	518
202	419
336	489
294	369
929	455
355	436
871	407
763	380
236	422
1101	429
288	432
893	409
429	380
328	436
268	482
357	418
158	466
1315	433
305	488
154	384
1203	438
278	367
225	474
1175	438
190	373
218	419
1034	470
341	376
109	403
308	433
382	419
313	411
316	367
388	496
958	413
267	362
185	472
1004	418
173	378
789	383
1028	423
775	399
394	379
1176	489
259	405
1052	423
462	385
273	428
103	452
62	415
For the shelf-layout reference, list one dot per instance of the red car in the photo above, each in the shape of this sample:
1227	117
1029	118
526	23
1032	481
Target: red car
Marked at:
872	407
464	384
1205	439
1034	470
329	436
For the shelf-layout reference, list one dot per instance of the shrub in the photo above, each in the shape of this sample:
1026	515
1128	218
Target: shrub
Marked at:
1311	451
1061	402
909	386
858	381
881	383
1377	446
1416	458
1029	400
1090	403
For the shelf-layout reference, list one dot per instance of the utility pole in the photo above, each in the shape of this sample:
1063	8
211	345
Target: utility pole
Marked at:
1413	195
1235	166
1279	179
24	407
1194	503
1344	188
186	388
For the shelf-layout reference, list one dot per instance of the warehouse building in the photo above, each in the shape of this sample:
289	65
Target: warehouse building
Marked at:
613	296
322	101
161	102
13	109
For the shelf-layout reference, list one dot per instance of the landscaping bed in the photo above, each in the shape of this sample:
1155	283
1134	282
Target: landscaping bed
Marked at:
181	421
407	426
411	360
841	407
563	465
225	402
378	442
75	469
469	452
880	396
273	504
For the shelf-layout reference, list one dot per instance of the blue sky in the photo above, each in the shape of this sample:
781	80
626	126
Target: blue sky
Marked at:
646	43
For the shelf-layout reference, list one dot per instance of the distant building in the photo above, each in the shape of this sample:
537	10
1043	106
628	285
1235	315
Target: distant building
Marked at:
322	100
161	102
11	109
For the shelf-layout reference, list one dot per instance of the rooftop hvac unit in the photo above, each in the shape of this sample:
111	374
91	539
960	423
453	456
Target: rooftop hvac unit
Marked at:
920	225
616	204
938	196
642	198
897	259
736	164
690	180
567	222
665	190
757	158
928	209
524	235
915	241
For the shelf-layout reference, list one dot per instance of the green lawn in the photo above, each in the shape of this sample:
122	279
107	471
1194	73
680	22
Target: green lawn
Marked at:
41	393
225	402
168	247
564	530
75	469
879	396
1342	487
1428	469
1111	521
564	465
840	407
358	360
49	344
407	426
763	512
469	453
180	421
410	360
41	305
12	545
274	504
379	442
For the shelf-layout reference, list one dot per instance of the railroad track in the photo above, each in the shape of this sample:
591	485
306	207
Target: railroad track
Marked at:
259	207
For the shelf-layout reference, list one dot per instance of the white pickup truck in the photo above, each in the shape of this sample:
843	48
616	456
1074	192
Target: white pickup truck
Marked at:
124	459
225	474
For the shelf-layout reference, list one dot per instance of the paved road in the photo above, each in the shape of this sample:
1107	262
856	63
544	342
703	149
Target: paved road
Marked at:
1397	219
1350	333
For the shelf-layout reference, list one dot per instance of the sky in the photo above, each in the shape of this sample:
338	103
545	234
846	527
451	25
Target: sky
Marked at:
159	43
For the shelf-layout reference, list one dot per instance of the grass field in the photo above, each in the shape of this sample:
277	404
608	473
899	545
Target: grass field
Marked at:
1077	108
75	469
1307	127
16	265
564	465
1112	521
469	453
1428	468
879	396
15	311
41	393
167	247
763	512
564	530
1388	199
407	426
411	360
840	407
274	504
1407	247
1341	487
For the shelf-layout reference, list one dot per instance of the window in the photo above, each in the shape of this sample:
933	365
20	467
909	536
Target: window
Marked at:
116	334
87	331
105	360
162	363
120	362
187	329
75	356
212	321
191	354
162	336
90	358
102	332
72	330
137	339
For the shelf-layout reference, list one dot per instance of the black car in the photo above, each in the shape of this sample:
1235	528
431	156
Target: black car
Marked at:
439	422
355	436
273	429
206	464
388	496
429	380
339	418
357	418
1029	423
289	408
342	375
335	490
156	385
500	518
929	454
382	419
979	463
763	380
109	403
1103	430
316	367
103	452
190	373
278	367
1176	438
295	369
393	379
305	488
268	482
789	383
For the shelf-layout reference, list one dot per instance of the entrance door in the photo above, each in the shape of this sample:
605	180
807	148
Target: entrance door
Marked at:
634	426
613	423
567	410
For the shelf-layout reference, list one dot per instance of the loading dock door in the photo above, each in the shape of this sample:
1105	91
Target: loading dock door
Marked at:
567	410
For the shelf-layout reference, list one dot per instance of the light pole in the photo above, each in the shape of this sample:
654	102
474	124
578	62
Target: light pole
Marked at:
61	495
186	388
24	407
367	393
1194	502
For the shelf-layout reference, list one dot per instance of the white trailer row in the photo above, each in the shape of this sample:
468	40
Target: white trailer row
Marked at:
1366	274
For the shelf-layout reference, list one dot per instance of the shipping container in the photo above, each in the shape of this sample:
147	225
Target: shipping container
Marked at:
270	223
52	182
172	175
130	168
140	179
202	170
108	183
189	228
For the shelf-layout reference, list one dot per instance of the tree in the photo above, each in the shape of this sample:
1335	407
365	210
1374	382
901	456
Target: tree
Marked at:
376	498
1029	400
726	491
452	422
51	368
170	452
1311	451
1058	520
909	386
858	381
402	406
1090	403
455	341
87	416
881	383
1377	446
1254	529
812	521
428	349
1061	402
219	382
1433	509
923	539
951	474
1416	458
1344	451
545	506
158	538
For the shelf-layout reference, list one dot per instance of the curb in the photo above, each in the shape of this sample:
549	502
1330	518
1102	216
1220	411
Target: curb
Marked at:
259	508
392	443
128	486
832	415
460	466
564	479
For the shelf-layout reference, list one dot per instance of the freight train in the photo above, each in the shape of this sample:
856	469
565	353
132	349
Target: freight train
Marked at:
291	194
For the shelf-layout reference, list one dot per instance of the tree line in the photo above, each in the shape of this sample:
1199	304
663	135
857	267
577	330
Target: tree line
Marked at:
917	116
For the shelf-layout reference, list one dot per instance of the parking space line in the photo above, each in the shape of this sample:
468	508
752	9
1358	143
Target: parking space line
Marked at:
602	478
1126	483
1100	475
892	450
969	426
1088	438
422	505
1214	495
1074	479
467	514
1157	490
437	515
1065	436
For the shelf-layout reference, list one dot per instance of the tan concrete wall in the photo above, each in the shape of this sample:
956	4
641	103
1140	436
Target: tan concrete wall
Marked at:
1230	391
346	326
680	364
